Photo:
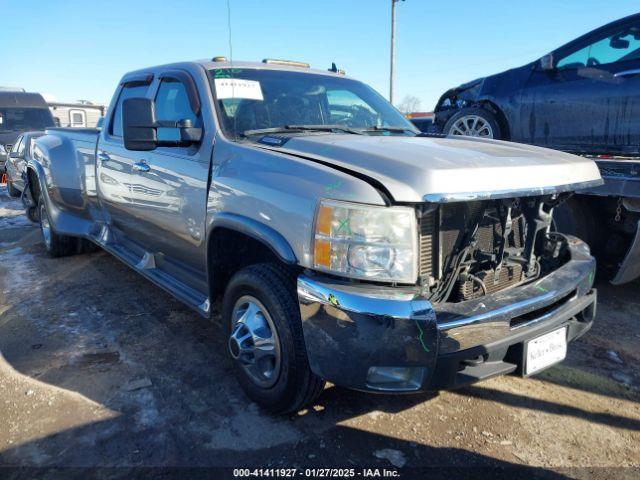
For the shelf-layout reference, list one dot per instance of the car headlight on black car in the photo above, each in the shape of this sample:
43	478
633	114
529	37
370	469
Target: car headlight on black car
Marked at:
366	241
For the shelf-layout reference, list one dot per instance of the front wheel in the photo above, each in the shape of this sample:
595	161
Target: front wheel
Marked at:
262	323
473	122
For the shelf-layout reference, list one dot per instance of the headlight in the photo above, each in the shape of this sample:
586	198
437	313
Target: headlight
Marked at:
367	242
2	150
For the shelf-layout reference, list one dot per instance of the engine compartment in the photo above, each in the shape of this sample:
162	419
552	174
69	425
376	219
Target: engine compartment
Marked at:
476	248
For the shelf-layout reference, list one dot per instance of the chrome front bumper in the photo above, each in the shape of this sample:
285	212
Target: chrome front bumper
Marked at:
352	330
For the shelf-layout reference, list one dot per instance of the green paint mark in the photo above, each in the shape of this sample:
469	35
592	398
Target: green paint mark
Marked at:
225	72
333	186
421	336
591	278
542	289
333	300
345	224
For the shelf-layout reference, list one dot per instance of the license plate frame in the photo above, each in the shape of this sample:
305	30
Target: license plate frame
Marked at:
545	350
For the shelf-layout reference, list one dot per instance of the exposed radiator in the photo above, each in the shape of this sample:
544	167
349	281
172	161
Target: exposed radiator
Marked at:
441	232
509	275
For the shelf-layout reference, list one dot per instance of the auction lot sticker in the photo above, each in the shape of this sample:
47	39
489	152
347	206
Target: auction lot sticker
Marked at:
238	88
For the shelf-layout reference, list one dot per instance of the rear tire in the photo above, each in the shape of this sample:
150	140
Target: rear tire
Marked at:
473	122
56	245
271	288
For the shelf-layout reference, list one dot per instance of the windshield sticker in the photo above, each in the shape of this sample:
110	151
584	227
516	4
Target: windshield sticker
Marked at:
226	72
238	88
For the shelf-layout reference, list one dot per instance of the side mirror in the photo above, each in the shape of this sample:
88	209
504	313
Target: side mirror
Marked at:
546	62
139	124
140	128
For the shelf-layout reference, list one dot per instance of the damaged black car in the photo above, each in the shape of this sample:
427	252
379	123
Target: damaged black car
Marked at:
583	97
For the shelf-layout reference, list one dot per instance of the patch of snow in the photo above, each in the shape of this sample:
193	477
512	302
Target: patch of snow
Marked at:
12	213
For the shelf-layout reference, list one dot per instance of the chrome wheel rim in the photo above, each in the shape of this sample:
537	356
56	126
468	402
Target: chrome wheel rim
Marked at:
254	341
45	226
471	126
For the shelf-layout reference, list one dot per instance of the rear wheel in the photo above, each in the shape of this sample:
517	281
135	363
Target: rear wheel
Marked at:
262	321
473	122
56	245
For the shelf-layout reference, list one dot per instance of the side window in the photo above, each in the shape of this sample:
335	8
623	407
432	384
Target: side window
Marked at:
16	146
172	105
128	91
21	147
622	46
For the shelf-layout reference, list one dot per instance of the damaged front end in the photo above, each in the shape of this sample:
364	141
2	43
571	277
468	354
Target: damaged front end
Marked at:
454	99
492	277
478	248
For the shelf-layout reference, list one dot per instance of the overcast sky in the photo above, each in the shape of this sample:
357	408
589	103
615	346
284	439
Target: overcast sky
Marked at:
78	49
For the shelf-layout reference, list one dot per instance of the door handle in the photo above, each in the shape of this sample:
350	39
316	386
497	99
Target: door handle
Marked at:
103	157
141	166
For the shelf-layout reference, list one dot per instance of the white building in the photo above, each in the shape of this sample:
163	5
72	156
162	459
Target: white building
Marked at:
81	114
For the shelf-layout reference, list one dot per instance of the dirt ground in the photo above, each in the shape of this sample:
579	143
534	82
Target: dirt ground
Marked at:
100	368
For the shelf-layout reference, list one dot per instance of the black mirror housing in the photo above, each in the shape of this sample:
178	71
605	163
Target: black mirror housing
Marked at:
139	127
139	124
188	133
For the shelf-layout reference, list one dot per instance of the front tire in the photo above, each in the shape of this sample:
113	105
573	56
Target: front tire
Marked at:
56	245
262	323
473	122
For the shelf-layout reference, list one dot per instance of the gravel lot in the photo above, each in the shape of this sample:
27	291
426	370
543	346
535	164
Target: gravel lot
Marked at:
100	368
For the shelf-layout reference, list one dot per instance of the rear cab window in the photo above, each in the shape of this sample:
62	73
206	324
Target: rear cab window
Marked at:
16	119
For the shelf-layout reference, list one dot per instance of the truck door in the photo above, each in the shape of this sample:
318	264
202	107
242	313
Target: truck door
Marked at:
169	184
590	101
114	164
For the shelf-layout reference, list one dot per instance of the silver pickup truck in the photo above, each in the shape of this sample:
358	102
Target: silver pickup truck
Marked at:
338	243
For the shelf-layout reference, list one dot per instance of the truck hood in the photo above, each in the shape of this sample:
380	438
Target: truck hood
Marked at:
416	169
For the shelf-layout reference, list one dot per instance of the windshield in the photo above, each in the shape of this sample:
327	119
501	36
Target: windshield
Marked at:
24	119
251	100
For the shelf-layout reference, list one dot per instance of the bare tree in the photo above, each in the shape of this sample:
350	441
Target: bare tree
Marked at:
410	103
